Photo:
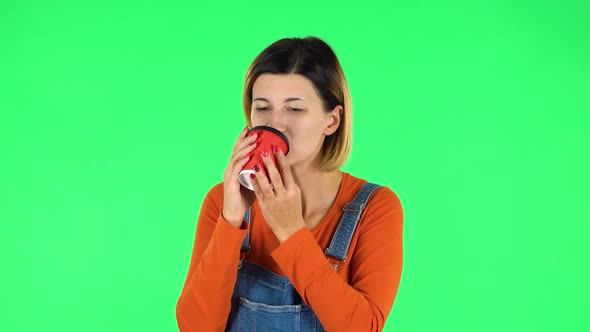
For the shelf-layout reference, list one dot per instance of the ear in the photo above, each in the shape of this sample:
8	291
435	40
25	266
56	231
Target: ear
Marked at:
333	118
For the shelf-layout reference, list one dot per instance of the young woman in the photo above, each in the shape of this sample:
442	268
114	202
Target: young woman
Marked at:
312	248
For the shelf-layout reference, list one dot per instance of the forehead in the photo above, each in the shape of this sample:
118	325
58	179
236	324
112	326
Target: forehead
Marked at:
273	86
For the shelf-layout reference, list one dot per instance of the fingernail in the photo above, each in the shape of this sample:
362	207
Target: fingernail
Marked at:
252	176
264	154
257	168
275	148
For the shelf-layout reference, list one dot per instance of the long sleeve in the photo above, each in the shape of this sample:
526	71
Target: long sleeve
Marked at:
375	265
205	301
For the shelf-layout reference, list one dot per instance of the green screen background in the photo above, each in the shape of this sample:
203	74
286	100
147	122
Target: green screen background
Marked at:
117	117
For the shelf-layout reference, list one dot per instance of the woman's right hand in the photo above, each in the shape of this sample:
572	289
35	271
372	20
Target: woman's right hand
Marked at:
236	198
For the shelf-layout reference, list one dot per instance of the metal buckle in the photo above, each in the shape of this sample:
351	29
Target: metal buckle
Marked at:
345	209
243	255
338	261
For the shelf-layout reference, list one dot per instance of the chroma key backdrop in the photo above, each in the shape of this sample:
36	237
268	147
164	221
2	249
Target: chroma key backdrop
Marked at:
117	117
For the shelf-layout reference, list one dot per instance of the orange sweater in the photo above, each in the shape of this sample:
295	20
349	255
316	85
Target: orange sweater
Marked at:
357	297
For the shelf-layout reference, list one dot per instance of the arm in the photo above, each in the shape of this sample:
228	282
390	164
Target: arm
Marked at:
375	265
205	301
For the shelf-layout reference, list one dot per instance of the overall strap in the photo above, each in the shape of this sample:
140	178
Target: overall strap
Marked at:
348	223
246	244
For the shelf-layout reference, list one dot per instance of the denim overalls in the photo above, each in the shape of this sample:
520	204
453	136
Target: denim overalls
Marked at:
265	301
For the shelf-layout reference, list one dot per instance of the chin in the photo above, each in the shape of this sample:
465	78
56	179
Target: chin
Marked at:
289	159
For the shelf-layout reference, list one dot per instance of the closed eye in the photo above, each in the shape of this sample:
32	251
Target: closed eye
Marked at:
261	109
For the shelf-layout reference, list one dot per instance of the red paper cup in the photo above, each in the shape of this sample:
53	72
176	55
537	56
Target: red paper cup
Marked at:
267	137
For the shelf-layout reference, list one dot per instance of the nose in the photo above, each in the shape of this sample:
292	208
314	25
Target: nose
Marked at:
277	121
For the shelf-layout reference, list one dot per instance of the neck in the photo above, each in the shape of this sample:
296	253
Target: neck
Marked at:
318	189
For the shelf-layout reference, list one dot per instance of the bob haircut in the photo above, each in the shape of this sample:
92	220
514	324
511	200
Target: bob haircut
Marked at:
313	58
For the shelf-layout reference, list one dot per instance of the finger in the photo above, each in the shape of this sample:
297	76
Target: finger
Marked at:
262	181
254	180
256	187
241	142
284	168
244	151
239	159
233	170
245	148
273	172
243	134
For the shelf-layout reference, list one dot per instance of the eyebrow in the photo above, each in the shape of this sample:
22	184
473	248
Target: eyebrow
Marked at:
286	100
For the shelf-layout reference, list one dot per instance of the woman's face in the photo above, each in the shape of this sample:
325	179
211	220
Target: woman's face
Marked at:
290	104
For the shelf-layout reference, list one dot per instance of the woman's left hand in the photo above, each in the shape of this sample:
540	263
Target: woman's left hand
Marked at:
279	199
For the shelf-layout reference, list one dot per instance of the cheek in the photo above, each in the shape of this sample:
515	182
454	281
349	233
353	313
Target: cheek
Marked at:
302	141
256	119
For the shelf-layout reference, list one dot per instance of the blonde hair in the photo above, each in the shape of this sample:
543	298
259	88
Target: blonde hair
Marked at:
314	59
